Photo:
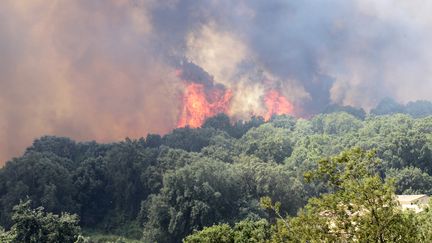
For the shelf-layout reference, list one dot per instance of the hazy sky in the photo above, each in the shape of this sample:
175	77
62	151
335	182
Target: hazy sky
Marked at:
104	70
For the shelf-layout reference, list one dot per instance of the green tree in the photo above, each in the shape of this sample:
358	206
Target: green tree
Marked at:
387	106
60	146
190	139
90	181
153	140
357	112
360	205
267	143
35	225
420	108
283	121
6	236
199	194
220	122
240	127
411	180
336	123
215	234
260	179
246	231
127	166
43	177
424	223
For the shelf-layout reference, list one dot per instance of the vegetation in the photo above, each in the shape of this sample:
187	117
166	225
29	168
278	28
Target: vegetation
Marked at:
220	181
359	207
34	225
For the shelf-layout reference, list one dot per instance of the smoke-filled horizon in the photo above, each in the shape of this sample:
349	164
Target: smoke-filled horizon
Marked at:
104	70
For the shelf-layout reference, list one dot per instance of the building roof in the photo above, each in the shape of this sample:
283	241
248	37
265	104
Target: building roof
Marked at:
409	198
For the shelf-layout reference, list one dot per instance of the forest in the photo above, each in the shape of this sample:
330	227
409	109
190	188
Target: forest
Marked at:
331	177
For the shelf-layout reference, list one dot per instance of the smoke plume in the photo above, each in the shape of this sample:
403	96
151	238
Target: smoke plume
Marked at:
104	70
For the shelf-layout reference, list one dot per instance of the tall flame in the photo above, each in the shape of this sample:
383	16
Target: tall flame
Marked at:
276	104
199	104
203	98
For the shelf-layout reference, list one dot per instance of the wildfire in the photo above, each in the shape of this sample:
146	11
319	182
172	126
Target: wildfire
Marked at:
199	104
276	104
203	98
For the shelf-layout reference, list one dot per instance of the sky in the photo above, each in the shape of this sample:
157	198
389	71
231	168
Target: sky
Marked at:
106	69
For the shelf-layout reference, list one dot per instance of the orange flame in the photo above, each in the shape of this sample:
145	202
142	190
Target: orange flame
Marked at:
199	104
276	104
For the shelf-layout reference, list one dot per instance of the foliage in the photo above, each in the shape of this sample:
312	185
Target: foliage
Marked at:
417	109
361	207
357	112
6	236
267	143
242	232
194	196
215	234
43	177
165	187
387	106
191	140
335	123
411	180
34	225
424	223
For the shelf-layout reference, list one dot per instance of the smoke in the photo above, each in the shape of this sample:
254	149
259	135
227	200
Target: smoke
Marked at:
104	70
85	69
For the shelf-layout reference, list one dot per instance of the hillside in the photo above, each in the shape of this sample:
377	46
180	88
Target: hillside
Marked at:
164	187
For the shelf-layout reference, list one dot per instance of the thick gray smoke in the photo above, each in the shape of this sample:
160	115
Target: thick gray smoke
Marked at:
104	70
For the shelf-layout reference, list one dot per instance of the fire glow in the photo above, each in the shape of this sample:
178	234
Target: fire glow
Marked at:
199	104
276	104
202	98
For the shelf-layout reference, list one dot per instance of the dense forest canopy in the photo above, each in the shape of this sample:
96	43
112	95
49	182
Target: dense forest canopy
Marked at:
162	188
